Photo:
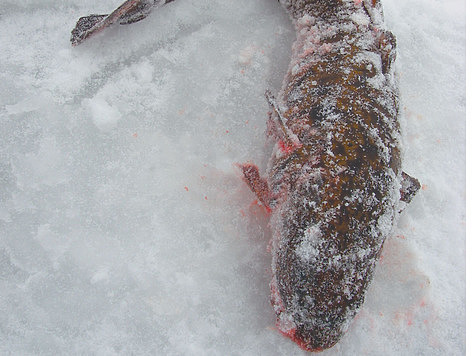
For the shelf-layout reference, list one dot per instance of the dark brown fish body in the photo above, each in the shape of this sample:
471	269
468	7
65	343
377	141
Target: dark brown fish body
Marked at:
335	175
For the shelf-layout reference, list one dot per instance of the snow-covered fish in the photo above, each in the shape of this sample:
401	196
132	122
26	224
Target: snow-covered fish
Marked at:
334	184
334	181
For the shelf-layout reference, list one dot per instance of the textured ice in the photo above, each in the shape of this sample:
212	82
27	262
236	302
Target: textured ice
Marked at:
104	251
104	116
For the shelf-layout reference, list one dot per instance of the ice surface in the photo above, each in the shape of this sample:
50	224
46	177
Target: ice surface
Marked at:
124	226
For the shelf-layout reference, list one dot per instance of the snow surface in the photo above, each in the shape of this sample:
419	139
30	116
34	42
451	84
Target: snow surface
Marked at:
125	227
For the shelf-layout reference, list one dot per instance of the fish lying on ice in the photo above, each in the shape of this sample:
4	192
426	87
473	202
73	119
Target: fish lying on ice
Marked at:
334	181
334	184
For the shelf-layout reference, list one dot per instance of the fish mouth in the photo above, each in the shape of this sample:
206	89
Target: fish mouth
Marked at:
305	345
286	325
307	338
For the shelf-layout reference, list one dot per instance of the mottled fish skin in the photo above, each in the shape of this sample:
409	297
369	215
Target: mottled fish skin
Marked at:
336	192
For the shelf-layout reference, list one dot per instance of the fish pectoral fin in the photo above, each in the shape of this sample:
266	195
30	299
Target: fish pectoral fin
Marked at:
256	183
409	187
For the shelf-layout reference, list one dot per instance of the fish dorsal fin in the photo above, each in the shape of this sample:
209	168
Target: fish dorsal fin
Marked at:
286	133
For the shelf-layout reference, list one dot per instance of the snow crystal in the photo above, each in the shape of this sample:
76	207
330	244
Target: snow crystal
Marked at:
104	115
360	18
101	275
308	249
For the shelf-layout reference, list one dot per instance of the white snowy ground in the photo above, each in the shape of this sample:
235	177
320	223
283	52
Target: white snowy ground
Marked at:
126	229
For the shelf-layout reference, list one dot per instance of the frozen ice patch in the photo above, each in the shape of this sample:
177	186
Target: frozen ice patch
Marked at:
246	55
143	72
54	244
113	215
45	167
102	275
24	106
104	115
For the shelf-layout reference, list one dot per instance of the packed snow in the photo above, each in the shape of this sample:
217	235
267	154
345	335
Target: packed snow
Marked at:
125	227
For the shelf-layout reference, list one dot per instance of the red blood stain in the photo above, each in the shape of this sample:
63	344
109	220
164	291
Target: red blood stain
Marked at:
285	148
410	317
261	206
405	316
360	315
186	188
302	344
269	247
135	134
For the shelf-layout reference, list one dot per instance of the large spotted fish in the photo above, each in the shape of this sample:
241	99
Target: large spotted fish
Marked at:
334	183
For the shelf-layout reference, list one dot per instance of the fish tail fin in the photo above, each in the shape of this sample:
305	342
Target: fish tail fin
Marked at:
129	12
